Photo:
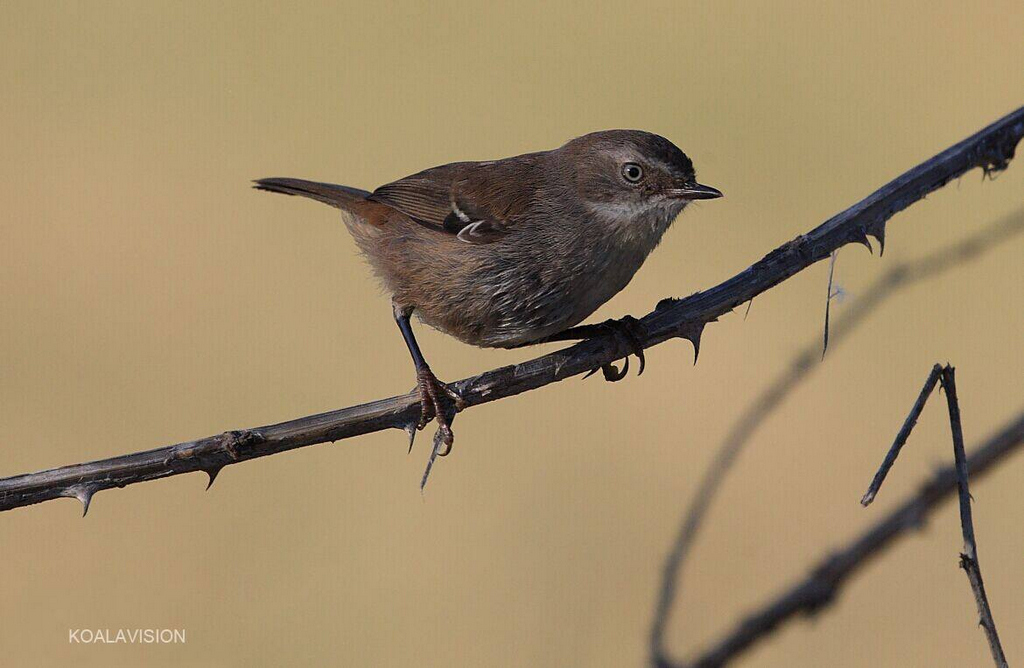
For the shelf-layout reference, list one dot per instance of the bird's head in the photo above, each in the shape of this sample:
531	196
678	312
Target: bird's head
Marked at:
632	177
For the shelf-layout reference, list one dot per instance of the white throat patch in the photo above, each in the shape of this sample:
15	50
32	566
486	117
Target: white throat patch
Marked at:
638	220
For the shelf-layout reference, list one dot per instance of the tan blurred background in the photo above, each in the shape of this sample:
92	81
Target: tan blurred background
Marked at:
148	296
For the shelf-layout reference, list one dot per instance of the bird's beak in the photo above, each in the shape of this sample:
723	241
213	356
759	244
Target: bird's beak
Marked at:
691	191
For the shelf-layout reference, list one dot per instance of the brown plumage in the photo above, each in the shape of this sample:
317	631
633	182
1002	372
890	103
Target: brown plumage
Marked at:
509	252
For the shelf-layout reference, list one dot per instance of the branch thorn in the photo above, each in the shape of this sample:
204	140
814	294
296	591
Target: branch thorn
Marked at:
212	472
411	430
83	494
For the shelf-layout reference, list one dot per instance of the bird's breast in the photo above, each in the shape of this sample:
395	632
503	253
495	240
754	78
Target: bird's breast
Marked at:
544	288
537	281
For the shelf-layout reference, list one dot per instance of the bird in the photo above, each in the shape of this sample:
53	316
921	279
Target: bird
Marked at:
517	251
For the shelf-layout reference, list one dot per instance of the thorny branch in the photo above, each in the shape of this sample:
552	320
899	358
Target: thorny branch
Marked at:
991	149
896	278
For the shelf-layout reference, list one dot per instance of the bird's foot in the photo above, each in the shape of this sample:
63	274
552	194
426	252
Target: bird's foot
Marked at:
437	401
632	332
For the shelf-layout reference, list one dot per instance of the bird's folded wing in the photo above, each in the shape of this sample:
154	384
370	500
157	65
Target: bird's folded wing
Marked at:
478	202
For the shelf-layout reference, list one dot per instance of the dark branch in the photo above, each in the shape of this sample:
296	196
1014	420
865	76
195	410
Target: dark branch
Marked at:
990	149
821	587
969	557
895	279
902	436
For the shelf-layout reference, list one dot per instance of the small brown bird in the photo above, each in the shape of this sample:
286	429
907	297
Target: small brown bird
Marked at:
511	252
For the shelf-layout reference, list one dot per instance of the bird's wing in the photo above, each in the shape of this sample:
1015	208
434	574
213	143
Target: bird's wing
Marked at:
478	202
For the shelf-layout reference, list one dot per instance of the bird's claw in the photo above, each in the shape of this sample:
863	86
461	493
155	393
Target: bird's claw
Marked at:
438	401
632	331
613	374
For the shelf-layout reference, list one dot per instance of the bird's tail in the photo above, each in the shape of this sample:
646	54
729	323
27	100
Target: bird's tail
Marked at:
341	197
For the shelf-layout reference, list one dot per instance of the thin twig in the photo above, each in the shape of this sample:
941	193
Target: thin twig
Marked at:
969	557
828	299
821	587
990	149
894	280
902	436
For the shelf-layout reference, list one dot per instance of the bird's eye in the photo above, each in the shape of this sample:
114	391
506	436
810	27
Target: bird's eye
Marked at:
632	172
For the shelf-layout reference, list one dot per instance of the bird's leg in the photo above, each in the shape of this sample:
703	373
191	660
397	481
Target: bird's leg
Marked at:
628	329
437	400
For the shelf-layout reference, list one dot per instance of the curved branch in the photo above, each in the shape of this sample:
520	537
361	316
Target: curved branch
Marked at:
990	149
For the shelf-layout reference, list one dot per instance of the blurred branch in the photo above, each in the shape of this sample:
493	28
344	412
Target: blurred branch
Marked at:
897	278
819	589
990	149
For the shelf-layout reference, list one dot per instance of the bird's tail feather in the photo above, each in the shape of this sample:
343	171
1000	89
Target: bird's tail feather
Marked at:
342	197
